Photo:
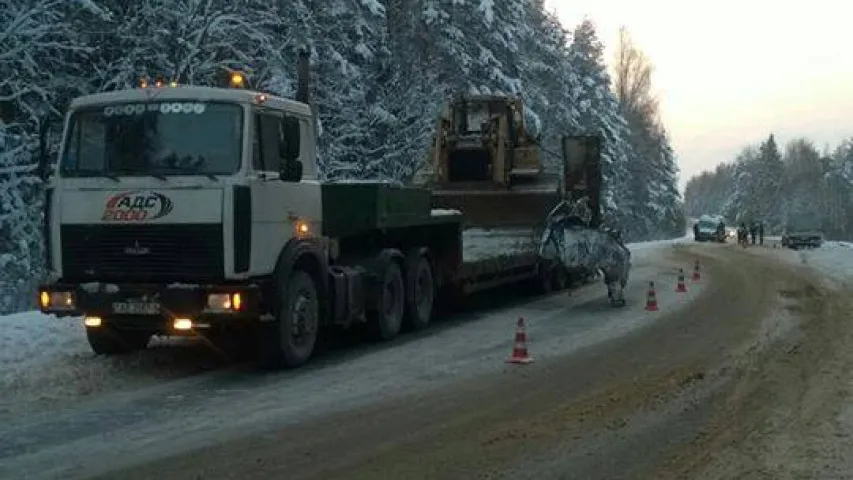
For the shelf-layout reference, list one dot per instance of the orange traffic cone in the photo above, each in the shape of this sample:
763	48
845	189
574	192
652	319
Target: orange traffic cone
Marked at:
651	299
680	287
519	350
696	274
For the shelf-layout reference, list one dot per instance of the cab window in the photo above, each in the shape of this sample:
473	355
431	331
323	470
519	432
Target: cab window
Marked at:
267	143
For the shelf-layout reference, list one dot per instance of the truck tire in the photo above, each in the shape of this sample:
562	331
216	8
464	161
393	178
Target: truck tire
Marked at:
420	291
289	341
108	340
385	315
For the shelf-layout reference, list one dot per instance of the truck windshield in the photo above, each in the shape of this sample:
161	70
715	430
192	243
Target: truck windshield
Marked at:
153	138
470	118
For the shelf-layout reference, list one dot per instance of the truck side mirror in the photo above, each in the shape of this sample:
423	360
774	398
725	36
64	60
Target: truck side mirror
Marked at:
291	137
291	167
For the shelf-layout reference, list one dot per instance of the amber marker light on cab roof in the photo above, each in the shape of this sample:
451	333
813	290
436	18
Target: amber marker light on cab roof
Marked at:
237	80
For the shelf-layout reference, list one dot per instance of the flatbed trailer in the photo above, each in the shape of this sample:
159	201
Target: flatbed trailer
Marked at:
467	260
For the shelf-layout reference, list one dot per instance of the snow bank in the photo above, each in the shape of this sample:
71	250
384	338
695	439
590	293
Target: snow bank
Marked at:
835	259
638	247
34	345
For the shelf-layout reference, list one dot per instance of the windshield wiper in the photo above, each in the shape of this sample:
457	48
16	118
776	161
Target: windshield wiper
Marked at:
84	172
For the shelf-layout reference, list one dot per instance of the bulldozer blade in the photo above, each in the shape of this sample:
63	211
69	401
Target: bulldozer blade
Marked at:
499	208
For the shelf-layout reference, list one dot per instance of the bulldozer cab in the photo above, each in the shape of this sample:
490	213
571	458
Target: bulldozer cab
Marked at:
486	162
483	142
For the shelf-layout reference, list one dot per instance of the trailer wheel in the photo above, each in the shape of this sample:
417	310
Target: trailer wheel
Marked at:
289	341
385	315
108	340
420	291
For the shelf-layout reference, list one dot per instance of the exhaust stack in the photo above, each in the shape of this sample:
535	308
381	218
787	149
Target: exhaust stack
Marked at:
303	76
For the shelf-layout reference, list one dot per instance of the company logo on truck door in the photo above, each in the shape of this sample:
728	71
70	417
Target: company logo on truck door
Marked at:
136	206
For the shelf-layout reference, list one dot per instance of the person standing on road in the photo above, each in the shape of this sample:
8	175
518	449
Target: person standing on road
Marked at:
761	233
696	231
753	232
741	234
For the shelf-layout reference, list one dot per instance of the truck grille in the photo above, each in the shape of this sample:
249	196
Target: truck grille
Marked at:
142	253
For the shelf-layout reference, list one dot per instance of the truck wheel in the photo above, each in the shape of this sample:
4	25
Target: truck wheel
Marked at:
385	316
289	341
420	292
108	340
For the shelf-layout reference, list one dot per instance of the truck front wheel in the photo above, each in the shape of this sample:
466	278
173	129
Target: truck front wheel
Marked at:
294	333
108	340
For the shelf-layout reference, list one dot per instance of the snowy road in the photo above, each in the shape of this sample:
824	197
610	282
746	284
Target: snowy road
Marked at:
757	348
63	400
752	381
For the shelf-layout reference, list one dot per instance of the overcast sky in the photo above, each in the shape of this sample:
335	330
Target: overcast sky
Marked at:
730	72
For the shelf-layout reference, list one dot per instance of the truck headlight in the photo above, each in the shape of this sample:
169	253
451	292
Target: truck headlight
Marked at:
56	300
224	302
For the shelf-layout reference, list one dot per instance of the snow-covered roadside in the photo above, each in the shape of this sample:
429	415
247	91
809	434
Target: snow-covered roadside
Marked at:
638	247
45	359
835	259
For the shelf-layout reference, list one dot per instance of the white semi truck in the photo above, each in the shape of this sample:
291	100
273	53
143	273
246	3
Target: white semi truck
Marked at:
198	210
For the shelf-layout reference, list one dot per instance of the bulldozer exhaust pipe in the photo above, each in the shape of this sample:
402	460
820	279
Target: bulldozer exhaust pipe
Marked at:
303	76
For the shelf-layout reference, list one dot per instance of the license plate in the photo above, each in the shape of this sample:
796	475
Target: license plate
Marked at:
136	308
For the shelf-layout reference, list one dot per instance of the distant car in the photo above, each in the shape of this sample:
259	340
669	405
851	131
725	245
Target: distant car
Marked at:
708	230
796	239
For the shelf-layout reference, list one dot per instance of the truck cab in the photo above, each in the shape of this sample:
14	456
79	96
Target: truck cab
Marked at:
172	202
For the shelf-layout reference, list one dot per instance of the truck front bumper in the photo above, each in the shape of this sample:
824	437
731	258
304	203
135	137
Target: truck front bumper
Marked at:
161	308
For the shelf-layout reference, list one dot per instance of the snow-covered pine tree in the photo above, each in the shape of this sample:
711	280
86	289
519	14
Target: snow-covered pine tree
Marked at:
767	189
838	193
803	186
189	41
599	114
737	208
654	201
709	192
549	80
38	62
347	42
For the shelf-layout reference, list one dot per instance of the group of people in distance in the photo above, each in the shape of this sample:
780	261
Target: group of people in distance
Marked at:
753	231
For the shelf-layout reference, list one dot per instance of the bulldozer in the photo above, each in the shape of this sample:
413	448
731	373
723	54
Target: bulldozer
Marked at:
485	161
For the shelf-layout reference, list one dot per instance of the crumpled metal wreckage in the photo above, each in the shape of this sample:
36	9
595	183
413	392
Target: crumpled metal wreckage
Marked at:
569	239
